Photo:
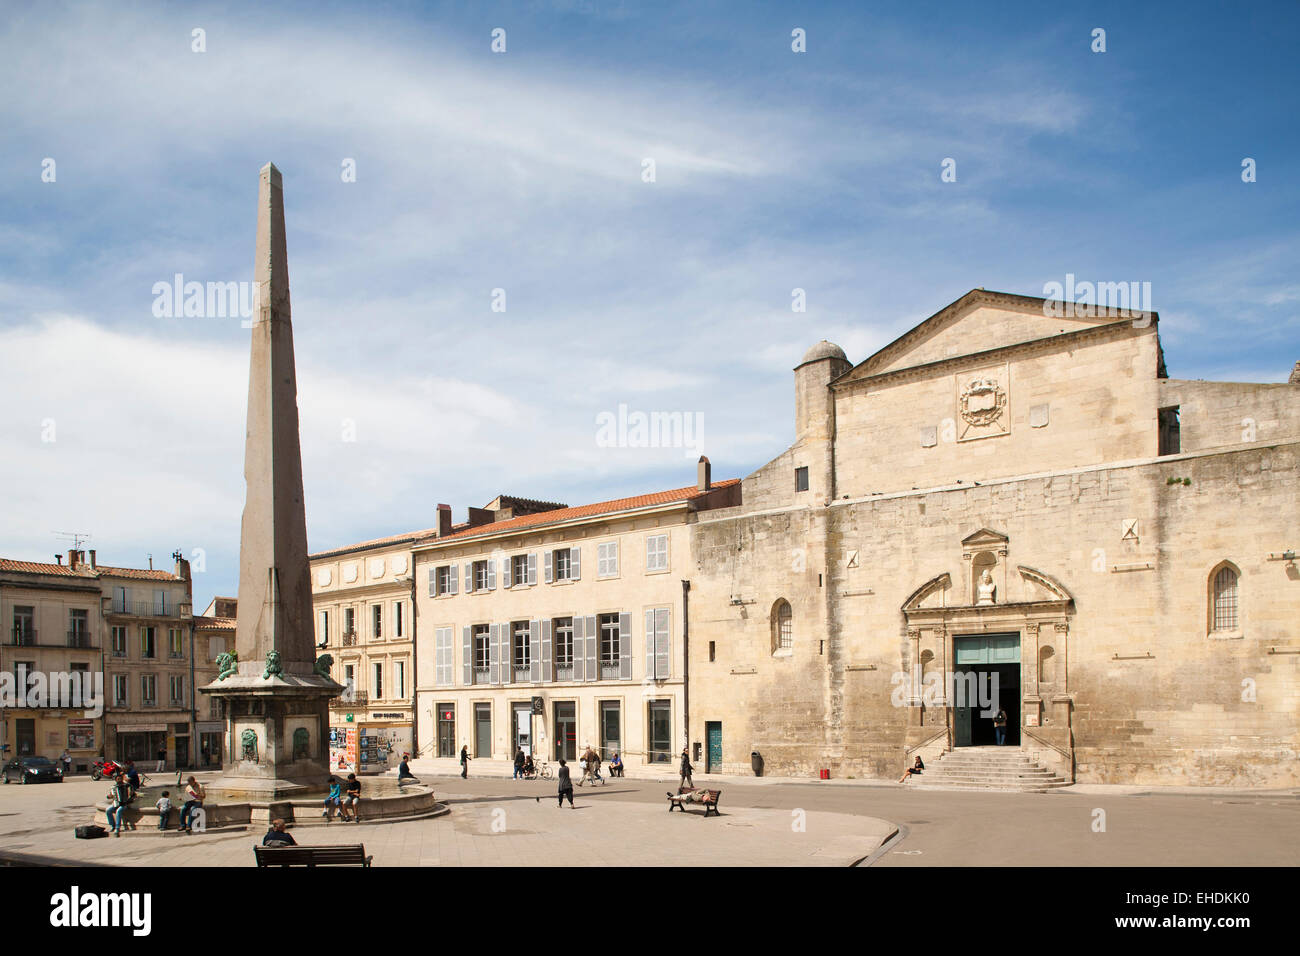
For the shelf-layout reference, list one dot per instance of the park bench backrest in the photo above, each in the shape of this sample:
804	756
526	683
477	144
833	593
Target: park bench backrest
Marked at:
310	855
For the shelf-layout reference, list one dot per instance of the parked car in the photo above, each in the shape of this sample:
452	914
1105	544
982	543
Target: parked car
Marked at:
32	770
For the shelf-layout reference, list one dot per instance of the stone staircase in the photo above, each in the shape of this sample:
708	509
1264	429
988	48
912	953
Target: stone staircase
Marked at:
988	768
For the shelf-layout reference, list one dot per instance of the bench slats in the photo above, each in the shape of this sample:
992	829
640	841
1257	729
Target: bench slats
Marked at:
311	855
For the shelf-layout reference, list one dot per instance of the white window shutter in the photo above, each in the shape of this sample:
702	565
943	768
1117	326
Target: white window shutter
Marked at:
548	672
467	645
469	577
625	646
453	574
663	660
494	653
433	582
593	649
491	574
507	571
575	564
535	650
548	565
650	644
579	658
532	568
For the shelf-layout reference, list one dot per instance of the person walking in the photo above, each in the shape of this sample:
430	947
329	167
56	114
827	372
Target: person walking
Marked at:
686	780
1000	727
121	794
162	760
193	799
65	758
464	762
566	785
519	763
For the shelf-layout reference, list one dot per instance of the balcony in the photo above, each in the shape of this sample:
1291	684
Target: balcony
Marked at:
77	638
608	671
523	672
149	609
349	638
23	637
359	697
563	672
482	675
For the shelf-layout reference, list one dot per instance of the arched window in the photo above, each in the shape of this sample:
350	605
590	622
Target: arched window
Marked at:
1224	598
782	627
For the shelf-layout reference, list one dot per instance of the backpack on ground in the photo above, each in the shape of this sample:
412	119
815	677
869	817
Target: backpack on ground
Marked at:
90	831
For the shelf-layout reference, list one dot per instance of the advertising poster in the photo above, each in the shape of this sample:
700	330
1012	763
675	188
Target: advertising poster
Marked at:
81	734
343	748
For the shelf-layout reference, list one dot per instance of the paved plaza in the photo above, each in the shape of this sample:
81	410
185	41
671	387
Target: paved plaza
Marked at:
496	821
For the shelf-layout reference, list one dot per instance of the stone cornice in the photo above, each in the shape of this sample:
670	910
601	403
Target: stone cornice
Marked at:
1047	343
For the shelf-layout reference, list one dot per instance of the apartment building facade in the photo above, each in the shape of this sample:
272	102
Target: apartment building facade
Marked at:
53	625
363	601
559	629
214	634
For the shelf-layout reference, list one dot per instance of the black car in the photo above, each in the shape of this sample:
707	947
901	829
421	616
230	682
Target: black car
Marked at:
32	770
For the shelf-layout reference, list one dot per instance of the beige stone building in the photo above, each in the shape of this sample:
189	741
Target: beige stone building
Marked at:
132	626
363	601
1009	509
214	634
551	628
54	624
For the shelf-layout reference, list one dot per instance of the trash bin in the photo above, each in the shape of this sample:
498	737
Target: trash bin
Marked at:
756	761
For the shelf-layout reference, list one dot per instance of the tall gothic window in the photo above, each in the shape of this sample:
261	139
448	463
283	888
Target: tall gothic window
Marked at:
1224	599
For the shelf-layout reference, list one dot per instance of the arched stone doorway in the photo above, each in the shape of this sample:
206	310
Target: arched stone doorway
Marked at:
961	635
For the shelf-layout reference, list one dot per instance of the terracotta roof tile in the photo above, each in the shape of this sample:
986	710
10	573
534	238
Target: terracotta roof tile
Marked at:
373	543
688	493
215	623
142	573
85	570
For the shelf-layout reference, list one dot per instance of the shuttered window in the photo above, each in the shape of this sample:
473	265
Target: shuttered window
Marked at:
656	552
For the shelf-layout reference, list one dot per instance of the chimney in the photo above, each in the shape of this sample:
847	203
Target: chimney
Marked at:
444	520
704	475
72	560
151	562
92	559
59	558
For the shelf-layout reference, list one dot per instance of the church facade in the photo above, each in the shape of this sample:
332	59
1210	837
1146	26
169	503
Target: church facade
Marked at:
1009	509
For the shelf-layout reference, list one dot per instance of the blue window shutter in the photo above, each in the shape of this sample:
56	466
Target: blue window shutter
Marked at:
535	650
548	563
650	644
579	658
575	564
548	673
625	646
532	568
467	645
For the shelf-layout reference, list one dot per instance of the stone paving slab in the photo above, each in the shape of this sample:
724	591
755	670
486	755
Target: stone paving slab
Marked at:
525	829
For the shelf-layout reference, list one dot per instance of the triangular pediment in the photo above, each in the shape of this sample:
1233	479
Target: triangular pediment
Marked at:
982	537
978	322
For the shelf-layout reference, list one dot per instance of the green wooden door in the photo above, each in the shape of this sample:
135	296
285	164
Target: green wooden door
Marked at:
713	733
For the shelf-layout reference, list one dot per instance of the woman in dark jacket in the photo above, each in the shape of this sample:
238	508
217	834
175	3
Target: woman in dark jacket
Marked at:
566	785
464	762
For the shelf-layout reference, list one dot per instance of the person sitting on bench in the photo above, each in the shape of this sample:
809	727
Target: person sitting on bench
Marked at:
277	836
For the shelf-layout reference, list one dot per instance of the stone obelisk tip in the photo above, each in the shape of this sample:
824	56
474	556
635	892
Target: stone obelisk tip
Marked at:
270	170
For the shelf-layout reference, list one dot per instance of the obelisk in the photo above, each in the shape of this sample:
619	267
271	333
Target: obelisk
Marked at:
276	698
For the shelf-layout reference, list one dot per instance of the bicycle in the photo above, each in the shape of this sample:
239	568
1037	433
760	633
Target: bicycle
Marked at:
542	771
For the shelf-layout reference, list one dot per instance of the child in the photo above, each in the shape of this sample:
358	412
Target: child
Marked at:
164	806
334	799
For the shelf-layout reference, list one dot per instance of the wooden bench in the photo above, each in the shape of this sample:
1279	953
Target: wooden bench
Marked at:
707	798
312	855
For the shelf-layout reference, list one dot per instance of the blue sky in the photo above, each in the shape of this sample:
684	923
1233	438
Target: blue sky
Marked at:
523	171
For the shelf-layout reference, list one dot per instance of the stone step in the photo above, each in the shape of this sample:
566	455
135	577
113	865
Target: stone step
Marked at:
989	768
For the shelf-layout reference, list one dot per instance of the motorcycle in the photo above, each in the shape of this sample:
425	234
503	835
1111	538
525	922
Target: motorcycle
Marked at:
106	768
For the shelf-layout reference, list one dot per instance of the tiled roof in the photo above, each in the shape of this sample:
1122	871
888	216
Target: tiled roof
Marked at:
145	574
380	542
85	570
688	493
215	623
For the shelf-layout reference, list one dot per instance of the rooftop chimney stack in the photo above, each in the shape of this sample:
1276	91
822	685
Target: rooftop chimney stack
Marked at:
92	559
59	558
444	520
72	559
704	475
